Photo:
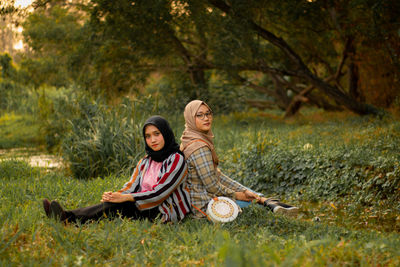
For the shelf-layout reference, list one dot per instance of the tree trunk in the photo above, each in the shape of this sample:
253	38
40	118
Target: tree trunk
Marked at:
197	75
340	97
353	75
199	82
282	99
301	68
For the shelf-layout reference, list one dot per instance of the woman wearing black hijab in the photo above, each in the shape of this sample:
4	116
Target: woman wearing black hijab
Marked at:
157	185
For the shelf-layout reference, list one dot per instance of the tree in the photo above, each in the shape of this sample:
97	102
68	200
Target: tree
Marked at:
11	18
300	69
155	35
57	37
309	48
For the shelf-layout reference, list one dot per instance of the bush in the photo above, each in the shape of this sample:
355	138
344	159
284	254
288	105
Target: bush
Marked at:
56	108
14	94
104	141
359	161
95	138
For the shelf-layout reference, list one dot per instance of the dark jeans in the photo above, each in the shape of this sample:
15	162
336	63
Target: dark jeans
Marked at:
108	210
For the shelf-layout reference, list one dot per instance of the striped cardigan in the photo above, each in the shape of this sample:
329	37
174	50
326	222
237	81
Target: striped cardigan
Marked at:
170	193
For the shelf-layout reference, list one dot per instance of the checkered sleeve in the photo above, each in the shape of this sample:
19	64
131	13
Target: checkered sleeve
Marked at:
208	174
232	184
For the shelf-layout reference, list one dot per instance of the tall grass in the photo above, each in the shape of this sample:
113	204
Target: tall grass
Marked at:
110	141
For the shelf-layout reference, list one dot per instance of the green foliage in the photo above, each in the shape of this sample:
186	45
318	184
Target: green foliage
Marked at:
104	142
19	131
7	70
95	138
113	48
55	108
172	93
59	47
14	95
360	162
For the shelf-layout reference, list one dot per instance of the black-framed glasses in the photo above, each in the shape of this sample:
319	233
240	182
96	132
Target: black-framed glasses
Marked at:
202	116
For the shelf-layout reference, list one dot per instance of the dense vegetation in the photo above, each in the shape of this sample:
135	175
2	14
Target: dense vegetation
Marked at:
281	77
348	177
329	54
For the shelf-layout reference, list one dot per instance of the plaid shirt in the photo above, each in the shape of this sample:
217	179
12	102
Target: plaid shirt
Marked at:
206	182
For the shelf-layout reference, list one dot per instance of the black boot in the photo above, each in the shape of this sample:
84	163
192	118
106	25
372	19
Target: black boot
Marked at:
46	207
57	211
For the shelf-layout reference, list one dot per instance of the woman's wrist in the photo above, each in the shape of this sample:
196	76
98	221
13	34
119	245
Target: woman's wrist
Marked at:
240	196
127	197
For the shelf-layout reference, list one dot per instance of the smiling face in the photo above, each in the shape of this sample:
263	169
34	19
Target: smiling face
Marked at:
203	118
154	138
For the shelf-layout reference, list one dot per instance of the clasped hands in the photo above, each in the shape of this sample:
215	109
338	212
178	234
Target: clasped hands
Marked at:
116	197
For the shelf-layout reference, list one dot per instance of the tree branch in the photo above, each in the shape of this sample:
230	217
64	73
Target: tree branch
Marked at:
300	68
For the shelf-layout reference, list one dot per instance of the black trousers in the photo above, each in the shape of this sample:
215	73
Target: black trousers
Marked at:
109	210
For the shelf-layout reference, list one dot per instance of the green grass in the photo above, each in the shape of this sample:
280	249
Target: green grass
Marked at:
255	238
19	131
348	234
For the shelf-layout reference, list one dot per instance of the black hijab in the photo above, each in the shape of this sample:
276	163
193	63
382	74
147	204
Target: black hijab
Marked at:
170	145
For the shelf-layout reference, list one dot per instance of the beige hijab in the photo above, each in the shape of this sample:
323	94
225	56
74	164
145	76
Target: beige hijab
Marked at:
192	138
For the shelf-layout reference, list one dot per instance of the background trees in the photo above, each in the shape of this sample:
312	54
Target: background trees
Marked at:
331	54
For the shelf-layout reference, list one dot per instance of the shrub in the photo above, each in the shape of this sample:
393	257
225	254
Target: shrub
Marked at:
358	161
104	141
56	108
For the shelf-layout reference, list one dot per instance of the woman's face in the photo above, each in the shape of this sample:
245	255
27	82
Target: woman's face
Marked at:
154	138
203	118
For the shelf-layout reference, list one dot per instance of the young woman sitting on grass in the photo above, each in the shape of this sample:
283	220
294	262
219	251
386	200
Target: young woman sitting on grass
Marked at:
157	187
205	180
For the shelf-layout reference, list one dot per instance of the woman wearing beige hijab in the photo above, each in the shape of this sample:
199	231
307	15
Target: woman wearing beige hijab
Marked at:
205	180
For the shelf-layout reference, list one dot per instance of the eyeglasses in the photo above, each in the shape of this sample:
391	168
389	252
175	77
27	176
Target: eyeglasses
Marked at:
202	116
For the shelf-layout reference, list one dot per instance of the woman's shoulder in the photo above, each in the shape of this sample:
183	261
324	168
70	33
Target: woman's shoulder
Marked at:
200	151
196	144
175	156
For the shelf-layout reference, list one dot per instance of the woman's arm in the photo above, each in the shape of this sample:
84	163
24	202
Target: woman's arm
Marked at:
241	192
202	161
133	184
234	185
125	194
248	195
173	173
116	197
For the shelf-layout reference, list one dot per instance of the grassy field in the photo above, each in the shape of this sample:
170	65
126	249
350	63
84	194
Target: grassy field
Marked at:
18	131
347	234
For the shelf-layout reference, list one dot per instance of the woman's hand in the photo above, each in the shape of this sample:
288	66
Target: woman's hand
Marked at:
116	197
247	195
